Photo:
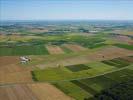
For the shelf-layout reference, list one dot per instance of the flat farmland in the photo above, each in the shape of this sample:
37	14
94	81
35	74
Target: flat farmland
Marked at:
47	91
92	86
128	32
66	60
98	77
6	60
131	42
123	39
12	72
117	62
73	90
125	46
76	68
53	49
64	73
17	77
39	91
23	50
38	30
62	66
129	59
121	76
110	53
75	47
81	58
16	92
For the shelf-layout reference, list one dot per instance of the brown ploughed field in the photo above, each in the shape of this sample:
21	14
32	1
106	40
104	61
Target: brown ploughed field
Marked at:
12	72
129	59
53	49
39	91
75	47
103	54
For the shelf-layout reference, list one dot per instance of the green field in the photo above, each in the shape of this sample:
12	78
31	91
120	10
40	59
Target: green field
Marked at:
121	76
66	59
63	73
72	90
23	50
34	45
116	91
80	83
117	62
89	42
93	86
125	46
66	50
76	68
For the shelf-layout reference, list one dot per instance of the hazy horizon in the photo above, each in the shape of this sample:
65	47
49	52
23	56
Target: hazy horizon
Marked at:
66	10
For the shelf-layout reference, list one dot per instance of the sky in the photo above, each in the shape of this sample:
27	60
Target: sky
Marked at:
66	9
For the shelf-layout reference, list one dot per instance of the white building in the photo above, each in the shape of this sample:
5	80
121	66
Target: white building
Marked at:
24	59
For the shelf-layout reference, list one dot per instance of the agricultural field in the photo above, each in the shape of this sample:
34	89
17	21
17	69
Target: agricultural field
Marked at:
74	48
92	77
78	71
93	86
23	50
12	72
53	49
32	45
126	46
32	92
76	68
117	62
65	61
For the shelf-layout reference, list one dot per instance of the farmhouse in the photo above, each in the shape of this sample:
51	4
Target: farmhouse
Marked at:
24	59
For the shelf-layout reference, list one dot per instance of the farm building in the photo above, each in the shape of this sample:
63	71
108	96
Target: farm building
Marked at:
24	59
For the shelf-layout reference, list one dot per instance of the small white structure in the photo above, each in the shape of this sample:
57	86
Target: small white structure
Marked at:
24	59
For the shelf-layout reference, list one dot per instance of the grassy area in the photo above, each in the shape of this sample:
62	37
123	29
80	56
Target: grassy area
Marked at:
66	49
120	91
34	45
82	87
125	46
98	83
62	73
46	59
93	86
23	50
90	42
120	76
76	68
117	62
72	90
